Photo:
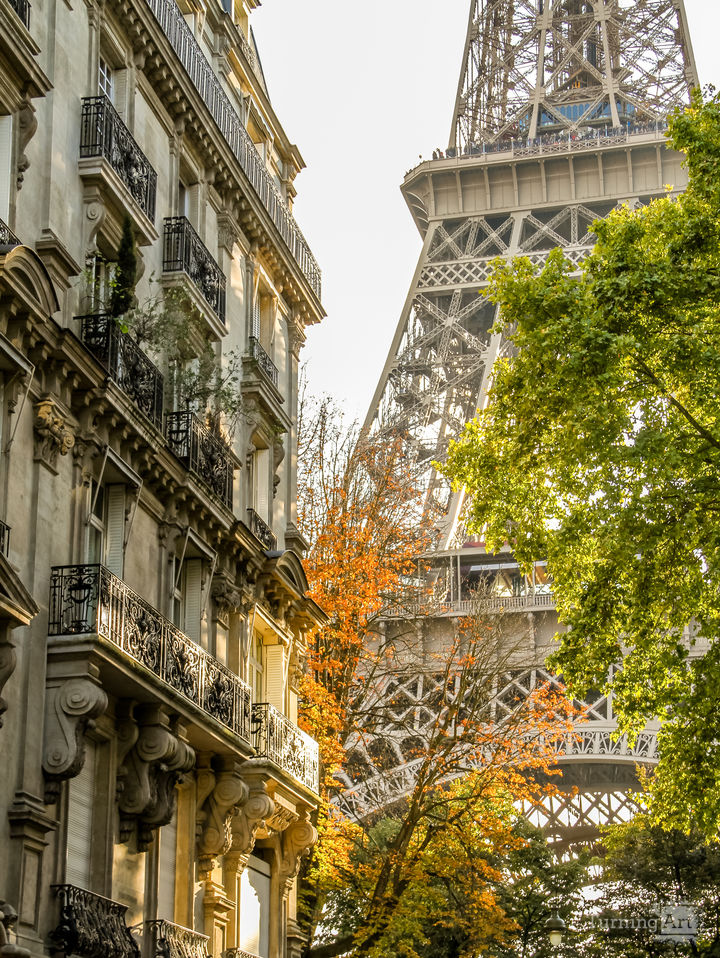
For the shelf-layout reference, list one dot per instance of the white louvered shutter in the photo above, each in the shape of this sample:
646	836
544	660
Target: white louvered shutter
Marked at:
166	870
262	481
274	678
115	529
193	598
81	798
6	178
120	93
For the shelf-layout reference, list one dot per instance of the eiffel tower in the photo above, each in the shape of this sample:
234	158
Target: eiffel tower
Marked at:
560	116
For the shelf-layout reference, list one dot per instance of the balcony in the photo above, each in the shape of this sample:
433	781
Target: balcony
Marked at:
262	360
91	925
202	453
261	530
126	363
4	539
164	939
276	738
7	237
228	121
184	251
88	599
103	134
237	953
22	8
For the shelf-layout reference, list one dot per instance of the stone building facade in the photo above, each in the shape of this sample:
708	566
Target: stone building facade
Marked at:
156	794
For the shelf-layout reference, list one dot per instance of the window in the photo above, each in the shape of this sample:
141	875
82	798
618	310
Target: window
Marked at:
261	483
81	800
255	907
106	86
166	870
106	526
255	669
191	575
6	177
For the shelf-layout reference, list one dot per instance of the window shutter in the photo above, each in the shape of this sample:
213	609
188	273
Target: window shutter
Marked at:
256	316
6	177
166	870
193	598
81	795
115	529
120	93
262	480
274	677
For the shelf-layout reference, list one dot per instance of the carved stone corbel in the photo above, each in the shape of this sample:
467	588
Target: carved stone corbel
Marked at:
70	710
53	437
295	843
8	919
151	768
215	832
251	817
278	456
27	125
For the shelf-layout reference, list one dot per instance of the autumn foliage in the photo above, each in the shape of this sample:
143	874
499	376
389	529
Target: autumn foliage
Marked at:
383	693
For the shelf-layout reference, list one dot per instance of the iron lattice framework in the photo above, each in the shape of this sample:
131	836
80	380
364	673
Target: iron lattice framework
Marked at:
560	117
534	65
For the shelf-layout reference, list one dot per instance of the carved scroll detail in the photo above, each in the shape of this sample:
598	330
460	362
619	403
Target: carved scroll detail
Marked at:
70	709
215	832
295	842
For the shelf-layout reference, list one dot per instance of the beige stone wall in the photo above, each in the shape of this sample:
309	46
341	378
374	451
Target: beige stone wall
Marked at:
131	767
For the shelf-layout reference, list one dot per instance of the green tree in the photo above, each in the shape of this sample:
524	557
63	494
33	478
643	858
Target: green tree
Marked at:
122	296
599	449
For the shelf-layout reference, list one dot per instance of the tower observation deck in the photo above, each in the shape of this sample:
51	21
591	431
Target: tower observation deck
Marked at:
560	116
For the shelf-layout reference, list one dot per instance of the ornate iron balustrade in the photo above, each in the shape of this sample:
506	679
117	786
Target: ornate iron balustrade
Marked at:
126	363
262	530
90	599
7	237
237	953
4	539
91	925
264	363
22	8
228	121
206	456
103	133
277	738
184	251
168	940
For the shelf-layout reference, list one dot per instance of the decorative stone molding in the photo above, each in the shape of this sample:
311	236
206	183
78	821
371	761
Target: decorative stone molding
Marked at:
251	817
154	758
214	821
8	661
8	918
53	438
27	126
278	456
295	843
71	708
296	335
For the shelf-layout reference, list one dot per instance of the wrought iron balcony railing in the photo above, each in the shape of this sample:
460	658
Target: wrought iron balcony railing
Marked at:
103	134
277	738
228	121
168	940
206	456
22	8
90	599
91	925
261	530
184	251
4	539
237	953
263	361
7	237
126	363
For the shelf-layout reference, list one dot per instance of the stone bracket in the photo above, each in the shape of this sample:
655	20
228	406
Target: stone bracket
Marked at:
154	757
295	843
71	708
221	805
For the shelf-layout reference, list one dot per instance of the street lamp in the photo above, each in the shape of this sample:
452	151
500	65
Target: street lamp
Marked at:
555	928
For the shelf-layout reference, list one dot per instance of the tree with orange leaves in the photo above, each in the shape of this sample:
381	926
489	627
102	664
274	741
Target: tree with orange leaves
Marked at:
446	776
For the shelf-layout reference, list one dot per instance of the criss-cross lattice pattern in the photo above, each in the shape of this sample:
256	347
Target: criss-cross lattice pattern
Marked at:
384	761
533	67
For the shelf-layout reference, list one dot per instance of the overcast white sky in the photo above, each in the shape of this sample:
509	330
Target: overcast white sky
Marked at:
364	89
